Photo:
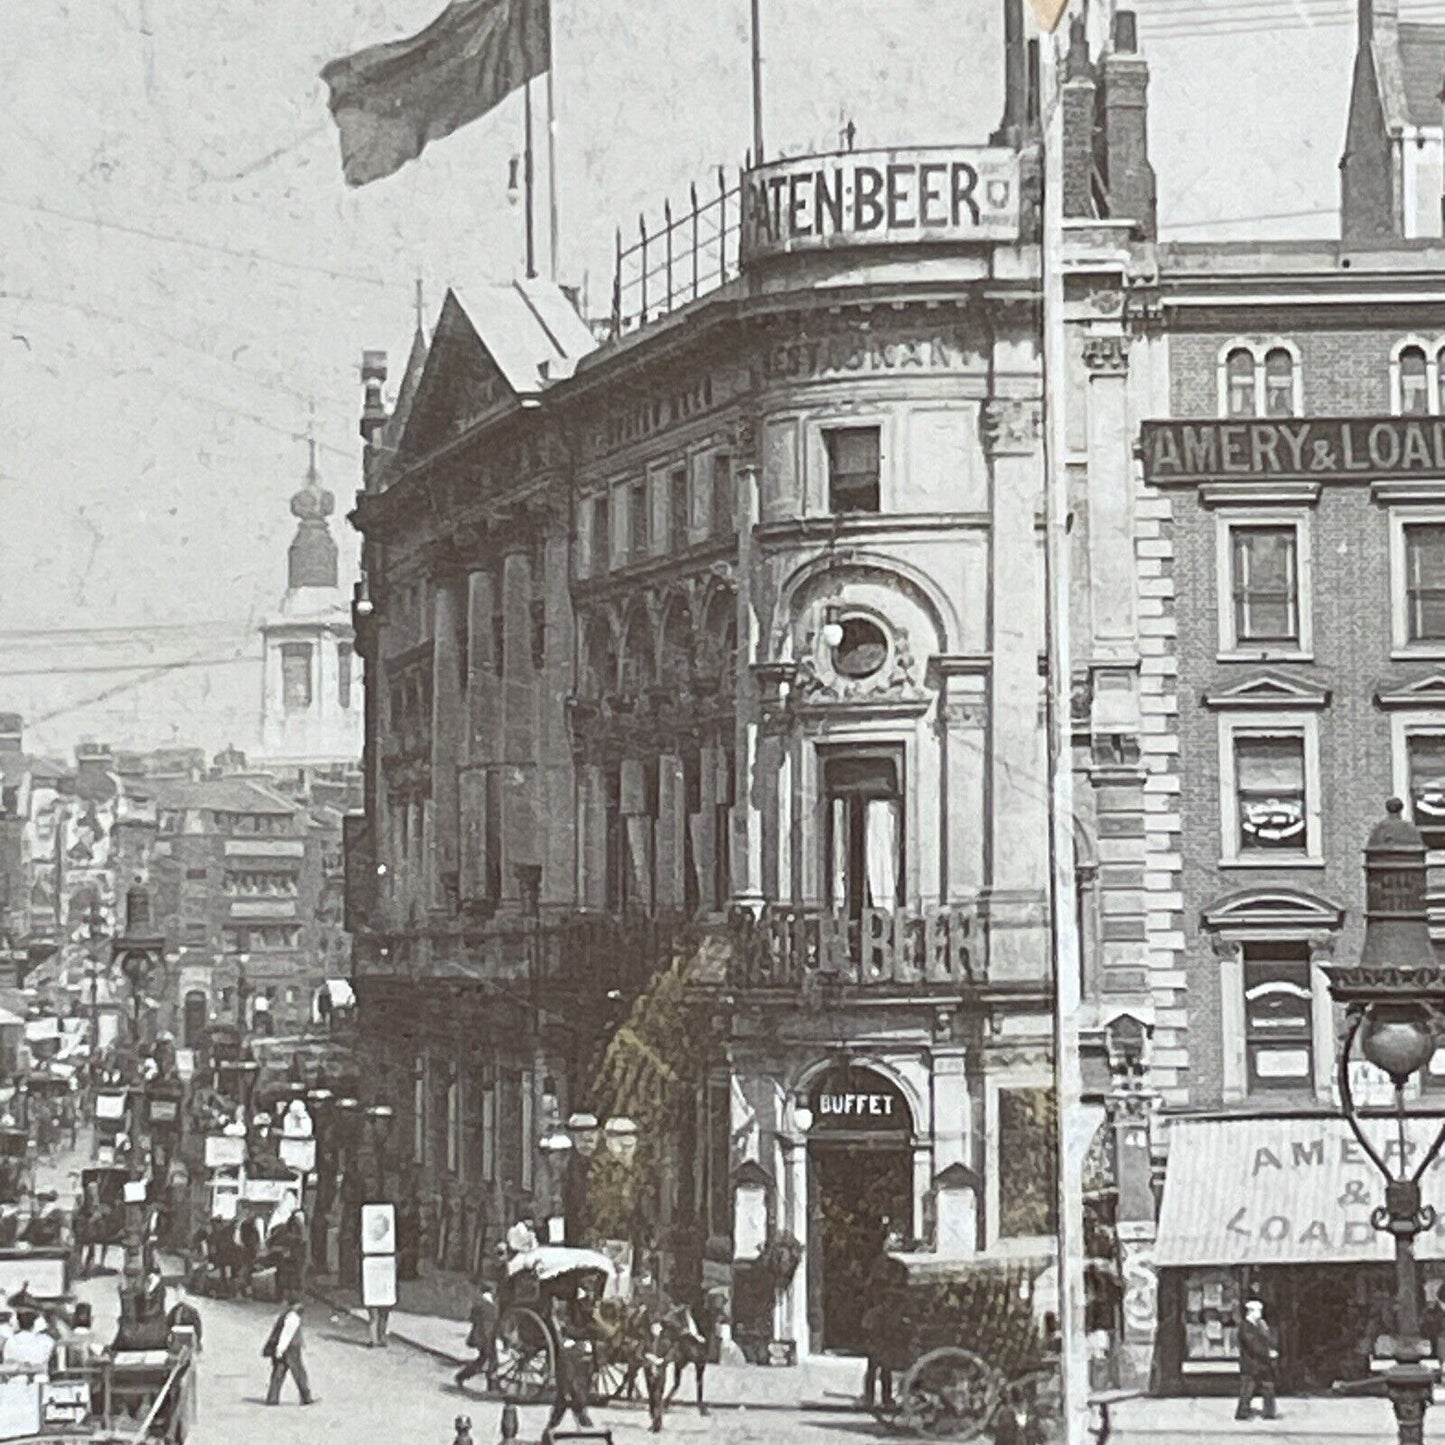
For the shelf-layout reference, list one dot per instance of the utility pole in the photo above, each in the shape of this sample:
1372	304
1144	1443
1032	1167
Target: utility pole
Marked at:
1067	951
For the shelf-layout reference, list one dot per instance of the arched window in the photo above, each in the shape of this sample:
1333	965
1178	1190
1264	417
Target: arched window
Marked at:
637	655
1414	382
1278	382
677	646
1239	381
599	661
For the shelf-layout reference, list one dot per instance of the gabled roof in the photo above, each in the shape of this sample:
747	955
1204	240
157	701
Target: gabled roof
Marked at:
222	795
496	343
395	428
1422	70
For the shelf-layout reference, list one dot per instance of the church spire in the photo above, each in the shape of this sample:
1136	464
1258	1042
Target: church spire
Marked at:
312	558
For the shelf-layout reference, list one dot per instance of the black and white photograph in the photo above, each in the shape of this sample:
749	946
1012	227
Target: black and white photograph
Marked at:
722	720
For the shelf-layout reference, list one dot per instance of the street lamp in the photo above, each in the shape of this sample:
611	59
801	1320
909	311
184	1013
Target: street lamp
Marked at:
586	1133
1394	1002
620	1134
379	1118
557	1149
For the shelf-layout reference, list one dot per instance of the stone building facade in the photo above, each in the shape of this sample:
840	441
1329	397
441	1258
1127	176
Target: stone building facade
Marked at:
731	628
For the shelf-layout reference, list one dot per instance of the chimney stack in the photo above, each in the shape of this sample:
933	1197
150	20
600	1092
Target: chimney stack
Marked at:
1079	105
12	732
1128	176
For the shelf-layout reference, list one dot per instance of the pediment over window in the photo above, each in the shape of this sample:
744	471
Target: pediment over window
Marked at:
1269	691
1270	912
1425	692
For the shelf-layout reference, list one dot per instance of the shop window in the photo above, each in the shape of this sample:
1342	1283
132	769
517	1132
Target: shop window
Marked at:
296	676
864	853
853	468
1265	610
677	510
616	848
692	816
1213	1308
1425	763
722	829
1424	583
344	655
601	534
721	518
1271	801
499	633
1027	1162
1278	1016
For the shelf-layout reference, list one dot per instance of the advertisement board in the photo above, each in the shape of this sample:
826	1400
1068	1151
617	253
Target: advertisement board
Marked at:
378	1229
880	197
378	1281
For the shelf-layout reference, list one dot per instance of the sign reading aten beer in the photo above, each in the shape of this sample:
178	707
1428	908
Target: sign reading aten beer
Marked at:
871	198
1294	449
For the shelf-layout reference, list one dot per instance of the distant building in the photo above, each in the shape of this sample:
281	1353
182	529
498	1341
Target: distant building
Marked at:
311	709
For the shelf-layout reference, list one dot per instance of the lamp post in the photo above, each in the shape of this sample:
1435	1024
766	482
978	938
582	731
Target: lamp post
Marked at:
379	1119
557	1149
1394	1002
320	1101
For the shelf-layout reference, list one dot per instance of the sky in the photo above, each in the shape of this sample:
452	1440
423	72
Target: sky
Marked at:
186	285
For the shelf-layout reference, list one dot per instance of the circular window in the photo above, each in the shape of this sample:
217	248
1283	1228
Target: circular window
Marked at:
862	650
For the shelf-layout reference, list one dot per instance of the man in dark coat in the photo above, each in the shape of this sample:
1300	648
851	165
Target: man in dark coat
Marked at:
574	1371
482	1337
1258	1362
283	1348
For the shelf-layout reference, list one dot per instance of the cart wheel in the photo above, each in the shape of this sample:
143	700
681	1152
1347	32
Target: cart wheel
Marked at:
608	1378
525	1357
949	1394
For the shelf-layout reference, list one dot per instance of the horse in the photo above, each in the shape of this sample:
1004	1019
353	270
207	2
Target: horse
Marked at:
689	1335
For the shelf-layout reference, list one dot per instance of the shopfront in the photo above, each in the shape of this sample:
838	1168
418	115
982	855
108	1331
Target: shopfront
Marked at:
1279	1209
860	1193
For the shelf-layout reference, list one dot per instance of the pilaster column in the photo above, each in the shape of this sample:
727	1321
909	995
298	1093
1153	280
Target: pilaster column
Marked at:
1110	495
1018	761
1233	1071
447	720
1322	1015
962	728
1130	1113
518	738
747	840
483	689
671	829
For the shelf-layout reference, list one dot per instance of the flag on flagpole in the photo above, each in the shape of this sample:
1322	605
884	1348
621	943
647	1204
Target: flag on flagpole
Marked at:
1048	13
391	100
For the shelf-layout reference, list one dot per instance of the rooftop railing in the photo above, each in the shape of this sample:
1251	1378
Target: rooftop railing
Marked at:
691	253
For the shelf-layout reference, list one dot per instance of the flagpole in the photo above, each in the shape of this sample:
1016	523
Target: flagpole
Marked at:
528	165
553	226
757	83
1064	927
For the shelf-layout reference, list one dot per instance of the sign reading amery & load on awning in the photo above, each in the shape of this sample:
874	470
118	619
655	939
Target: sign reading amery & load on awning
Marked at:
1285	1191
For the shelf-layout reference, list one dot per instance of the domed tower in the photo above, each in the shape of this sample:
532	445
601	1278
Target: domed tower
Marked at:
311	714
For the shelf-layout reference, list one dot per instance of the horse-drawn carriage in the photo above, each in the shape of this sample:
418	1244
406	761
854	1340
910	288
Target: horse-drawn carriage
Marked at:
100	1213
959	1342
527	1345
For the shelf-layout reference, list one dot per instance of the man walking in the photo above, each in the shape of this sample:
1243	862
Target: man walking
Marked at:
482	1337
283	1349
1258	1360
574	1371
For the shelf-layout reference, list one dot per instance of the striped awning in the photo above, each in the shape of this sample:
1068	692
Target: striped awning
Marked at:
1285	1191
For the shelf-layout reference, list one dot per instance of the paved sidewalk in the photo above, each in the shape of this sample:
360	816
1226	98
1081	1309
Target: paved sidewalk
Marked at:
817	1383
1329	1420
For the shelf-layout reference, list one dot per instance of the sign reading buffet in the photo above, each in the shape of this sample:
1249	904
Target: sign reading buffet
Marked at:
1293	449
880	198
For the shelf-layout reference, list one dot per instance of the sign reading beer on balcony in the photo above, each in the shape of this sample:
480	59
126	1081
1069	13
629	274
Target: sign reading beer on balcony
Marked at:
1294	449
878	198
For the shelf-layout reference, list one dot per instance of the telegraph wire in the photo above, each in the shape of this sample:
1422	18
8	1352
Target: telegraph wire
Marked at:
214	247
128	666
152	675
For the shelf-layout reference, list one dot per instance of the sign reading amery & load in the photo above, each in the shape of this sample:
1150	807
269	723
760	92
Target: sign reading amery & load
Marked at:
1311	449
1285	1191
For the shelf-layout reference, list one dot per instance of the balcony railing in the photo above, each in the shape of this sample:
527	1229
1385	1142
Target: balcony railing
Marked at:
936	948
